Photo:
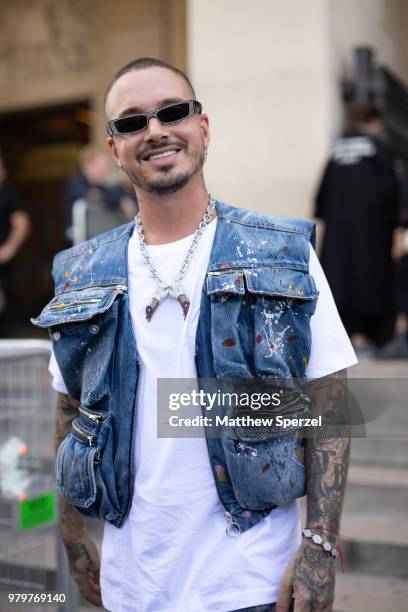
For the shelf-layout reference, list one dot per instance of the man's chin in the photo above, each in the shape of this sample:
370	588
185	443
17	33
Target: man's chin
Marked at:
167	187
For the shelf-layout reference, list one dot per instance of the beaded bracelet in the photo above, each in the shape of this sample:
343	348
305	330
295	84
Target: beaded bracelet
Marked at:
317	539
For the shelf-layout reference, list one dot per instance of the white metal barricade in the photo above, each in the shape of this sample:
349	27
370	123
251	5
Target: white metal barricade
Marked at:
32	558
90	219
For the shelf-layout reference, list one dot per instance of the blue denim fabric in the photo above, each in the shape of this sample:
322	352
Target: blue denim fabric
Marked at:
254	323
263	608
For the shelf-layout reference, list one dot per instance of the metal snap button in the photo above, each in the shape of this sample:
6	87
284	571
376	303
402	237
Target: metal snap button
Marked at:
56	335
94	329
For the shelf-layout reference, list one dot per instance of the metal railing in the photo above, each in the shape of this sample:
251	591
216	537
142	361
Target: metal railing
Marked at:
32	556
90	219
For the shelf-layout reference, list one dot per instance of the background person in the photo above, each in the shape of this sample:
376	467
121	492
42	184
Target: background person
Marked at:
14	229
397	347
91	184
358	201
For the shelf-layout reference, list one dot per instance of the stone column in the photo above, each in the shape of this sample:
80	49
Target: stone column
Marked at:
261	70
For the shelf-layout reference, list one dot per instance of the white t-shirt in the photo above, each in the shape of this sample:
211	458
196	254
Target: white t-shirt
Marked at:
172	553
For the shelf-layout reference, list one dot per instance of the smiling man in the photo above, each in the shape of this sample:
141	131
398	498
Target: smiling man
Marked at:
192	288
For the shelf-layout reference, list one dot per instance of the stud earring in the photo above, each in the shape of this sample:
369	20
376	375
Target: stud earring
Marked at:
120	166
205	154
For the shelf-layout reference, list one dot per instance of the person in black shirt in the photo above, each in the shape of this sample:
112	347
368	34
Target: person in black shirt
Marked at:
358	201
14	229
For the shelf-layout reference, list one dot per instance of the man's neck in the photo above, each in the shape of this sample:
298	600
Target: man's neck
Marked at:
172	217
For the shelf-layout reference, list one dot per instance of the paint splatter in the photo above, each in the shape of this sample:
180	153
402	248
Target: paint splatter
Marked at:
265	467
291	338
259	339
247	514
66	286
225	264
239	280
221	475
305	360
228	342
299	292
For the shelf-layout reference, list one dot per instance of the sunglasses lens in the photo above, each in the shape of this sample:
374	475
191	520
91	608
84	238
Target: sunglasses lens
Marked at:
173	113
126	125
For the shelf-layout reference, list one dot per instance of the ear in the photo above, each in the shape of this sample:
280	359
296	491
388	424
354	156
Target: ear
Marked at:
205	128
112	146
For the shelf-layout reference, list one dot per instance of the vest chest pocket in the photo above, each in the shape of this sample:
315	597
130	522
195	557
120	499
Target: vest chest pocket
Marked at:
83	325
267	309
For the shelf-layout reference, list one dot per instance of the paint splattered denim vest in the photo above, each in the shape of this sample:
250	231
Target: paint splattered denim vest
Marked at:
254	323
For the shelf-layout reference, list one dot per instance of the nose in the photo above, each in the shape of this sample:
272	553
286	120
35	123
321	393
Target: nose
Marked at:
155	130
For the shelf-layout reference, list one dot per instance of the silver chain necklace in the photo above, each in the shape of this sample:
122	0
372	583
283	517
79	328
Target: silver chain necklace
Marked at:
176	289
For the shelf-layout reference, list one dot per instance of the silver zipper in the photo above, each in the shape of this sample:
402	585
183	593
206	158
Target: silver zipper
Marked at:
90	438
62	305
120	289
225	271
233	529
91	415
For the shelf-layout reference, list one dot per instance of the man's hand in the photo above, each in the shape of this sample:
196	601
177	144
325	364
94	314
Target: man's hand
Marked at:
84	567
310	576
7	253
399	248
20	228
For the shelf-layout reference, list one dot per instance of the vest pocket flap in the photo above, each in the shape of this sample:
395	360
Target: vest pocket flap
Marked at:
231	281
281	281
79	305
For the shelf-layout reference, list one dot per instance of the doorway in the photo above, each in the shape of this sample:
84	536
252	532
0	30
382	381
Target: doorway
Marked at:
40	150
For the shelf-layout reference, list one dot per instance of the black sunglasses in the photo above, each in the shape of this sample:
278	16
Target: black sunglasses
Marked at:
167	114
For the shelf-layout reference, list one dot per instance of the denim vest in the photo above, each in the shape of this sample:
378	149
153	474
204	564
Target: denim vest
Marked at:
254	323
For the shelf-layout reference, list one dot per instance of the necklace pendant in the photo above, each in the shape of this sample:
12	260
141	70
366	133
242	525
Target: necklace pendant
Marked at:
151	308
184	302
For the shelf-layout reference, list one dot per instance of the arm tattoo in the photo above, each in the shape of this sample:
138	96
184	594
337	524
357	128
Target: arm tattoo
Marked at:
66	412
326	464
77	551
71	522
327	457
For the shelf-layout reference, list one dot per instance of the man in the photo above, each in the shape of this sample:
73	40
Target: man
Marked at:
14	229
89	184
358	201
149	301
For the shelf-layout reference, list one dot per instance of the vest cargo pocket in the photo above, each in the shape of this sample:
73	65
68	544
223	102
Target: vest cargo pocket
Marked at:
266	474
74	467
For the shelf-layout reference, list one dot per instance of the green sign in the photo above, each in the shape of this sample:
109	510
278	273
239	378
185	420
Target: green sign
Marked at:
37	511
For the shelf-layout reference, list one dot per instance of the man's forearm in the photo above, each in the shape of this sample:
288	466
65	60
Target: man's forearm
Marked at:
72	524
327	458
83	556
